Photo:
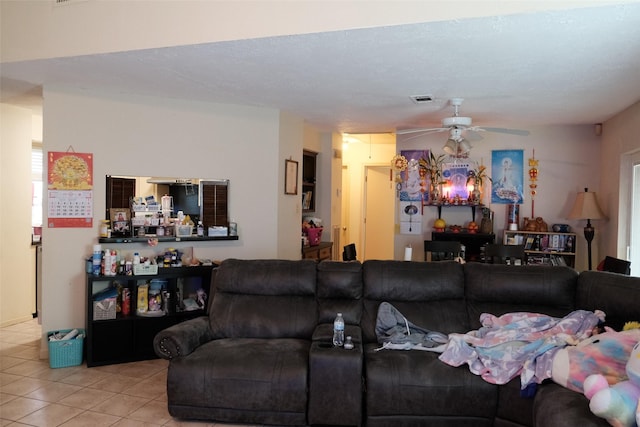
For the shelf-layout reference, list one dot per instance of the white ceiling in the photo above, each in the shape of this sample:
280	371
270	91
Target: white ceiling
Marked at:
578	66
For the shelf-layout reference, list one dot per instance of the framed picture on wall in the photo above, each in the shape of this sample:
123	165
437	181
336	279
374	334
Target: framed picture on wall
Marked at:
290	177
120	225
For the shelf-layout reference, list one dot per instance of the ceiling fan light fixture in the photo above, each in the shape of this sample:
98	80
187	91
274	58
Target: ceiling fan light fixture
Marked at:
456	121
450	147
464	146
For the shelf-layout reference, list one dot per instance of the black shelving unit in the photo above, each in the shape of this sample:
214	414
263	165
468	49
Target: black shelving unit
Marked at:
129	338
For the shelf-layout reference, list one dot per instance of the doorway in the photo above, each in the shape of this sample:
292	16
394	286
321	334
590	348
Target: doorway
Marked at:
379	193
345	235
633	238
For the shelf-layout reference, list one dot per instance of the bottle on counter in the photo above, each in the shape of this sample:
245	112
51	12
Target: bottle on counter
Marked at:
338	331
200	230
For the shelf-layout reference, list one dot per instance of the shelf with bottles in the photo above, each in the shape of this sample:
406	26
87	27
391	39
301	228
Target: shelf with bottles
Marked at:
544	247
124	313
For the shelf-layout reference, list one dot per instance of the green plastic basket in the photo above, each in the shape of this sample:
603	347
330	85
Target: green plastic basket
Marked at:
66	353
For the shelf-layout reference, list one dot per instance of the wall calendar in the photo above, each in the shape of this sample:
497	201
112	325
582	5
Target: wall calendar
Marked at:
70	189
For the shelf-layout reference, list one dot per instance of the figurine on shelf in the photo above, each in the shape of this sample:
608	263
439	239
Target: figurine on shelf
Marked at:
486	225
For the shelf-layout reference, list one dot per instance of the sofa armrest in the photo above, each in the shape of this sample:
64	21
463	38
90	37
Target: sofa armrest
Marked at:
335	379
181	339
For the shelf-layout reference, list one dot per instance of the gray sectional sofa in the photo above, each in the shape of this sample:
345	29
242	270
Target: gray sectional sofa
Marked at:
263	353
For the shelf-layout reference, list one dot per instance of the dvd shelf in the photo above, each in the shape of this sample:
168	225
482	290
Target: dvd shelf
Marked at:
545	248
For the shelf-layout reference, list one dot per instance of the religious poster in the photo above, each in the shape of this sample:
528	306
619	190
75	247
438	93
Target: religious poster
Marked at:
455	175
70	189
415	183
507	174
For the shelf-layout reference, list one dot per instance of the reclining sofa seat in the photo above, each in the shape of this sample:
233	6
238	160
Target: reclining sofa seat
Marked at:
408	388
411	388
617	296
247	362
500	289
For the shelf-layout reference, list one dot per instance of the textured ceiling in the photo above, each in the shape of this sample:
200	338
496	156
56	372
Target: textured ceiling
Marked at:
579	66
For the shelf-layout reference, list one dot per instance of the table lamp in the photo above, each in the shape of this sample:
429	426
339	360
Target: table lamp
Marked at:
586	207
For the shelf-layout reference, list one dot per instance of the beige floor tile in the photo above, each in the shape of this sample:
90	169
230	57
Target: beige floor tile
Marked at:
7	362
140	371
152	412
134	423
28	353
24	386
93	419
120	405
9	378
181	423
51	415
87	398
11	349
4	398
20	407
28	368
84	377
147	388
12	337
116	383
53	392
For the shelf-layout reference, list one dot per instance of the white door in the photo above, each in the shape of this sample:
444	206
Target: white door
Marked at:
379	193
345	237
633	250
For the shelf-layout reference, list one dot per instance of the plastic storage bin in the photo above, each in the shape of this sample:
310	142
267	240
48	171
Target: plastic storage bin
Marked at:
65	353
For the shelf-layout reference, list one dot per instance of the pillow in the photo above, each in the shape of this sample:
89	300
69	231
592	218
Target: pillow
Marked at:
606	354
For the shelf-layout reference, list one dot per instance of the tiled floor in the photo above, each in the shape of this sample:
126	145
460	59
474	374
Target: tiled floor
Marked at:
33	394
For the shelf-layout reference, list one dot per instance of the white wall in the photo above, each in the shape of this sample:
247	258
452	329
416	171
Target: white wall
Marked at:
148	137
17	267
568	161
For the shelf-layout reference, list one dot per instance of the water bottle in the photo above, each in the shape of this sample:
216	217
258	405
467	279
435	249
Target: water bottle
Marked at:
338	331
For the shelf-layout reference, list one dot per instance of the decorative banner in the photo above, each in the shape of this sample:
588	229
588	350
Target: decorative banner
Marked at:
70	189
414	178
507	173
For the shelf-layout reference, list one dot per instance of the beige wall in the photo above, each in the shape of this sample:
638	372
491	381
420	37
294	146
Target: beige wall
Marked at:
568	161
150	137
619	138
17	277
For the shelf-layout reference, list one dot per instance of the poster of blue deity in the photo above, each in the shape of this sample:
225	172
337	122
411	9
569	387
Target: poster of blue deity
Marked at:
507	174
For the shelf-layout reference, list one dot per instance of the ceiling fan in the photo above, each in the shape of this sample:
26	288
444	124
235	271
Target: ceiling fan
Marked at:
460	127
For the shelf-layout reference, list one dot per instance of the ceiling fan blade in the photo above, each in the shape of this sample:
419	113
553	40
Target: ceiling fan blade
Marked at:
518	132
420	130
472	135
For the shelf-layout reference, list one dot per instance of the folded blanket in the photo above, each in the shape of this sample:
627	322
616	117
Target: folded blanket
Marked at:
395	332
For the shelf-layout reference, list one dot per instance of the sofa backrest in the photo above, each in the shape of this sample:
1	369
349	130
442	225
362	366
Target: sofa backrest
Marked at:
499	289
428	294
264	299
340	291
617	295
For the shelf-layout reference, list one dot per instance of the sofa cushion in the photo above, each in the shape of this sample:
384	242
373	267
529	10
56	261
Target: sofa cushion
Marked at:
499	289
264	299
430	295
261	381
412	383
340	291
554	405
615	294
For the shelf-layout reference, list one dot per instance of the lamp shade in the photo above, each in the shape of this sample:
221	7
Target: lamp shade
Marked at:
586	206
